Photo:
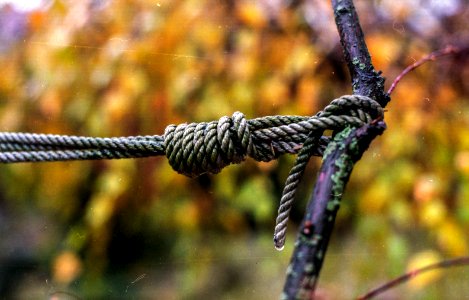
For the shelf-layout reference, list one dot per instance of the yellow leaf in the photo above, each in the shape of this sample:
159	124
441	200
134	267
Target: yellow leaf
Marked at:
375	197
426	188
384	48
251	14
462	162
209	35
66	267
308	94
100	210
432	213
410	94
420	260
452	239
273	92
187	215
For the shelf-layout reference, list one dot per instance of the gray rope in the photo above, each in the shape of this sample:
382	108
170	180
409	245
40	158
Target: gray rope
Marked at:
207	147
289	191
356	106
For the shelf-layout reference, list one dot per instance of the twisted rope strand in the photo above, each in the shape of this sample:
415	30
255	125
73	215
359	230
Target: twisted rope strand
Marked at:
289	191
361	107
207	147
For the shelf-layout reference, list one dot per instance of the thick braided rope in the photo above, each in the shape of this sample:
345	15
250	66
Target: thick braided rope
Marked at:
227	141
30	147
272	137
207	147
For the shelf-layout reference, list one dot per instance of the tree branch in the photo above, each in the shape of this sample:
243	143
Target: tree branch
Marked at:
338	161
316	228
365	79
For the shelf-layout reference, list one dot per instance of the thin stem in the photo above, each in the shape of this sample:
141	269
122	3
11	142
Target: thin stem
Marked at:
449	50
460	261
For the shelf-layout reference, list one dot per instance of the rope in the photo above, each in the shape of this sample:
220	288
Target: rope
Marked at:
207	147
356	106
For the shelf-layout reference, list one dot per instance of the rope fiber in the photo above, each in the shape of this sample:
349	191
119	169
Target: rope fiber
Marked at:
207	147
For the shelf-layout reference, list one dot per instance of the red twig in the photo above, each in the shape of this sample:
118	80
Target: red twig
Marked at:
449	50
460	261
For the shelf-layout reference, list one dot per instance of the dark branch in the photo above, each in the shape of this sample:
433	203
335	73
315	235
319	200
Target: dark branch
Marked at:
365	79
339	159
316	228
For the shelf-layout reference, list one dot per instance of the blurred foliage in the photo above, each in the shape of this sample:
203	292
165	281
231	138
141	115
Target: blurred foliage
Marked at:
135	228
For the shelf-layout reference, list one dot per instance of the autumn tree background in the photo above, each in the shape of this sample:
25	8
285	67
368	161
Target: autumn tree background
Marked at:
135	228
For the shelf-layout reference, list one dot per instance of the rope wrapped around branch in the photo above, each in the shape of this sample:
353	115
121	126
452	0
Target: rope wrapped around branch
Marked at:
207	147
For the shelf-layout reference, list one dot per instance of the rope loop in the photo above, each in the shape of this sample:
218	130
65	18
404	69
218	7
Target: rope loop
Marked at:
348	110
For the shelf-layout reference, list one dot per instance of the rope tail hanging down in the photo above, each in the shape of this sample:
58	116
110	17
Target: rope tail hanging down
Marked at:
197	148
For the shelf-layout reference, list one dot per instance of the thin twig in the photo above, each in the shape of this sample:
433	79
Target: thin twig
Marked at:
456	262
449	50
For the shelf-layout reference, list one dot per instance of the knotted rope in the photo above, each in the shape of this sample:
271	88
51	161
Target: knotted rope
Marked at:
197	148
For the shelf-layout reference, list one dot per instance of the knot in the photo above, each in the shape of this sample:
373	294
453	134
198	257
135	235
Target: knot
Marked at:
197	148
